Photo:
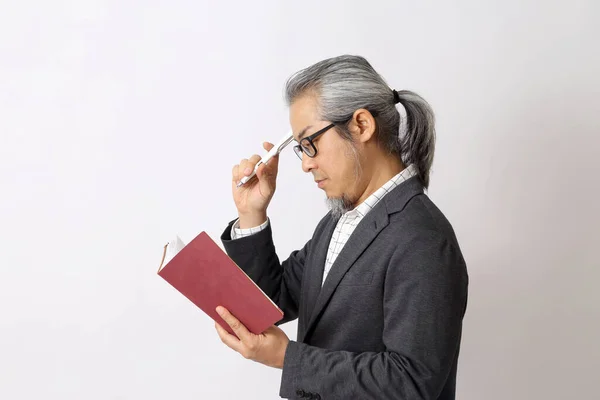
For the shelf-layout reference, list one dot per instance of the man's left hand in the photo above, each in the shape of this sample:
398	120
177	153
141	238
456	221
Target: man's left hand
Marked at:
268	348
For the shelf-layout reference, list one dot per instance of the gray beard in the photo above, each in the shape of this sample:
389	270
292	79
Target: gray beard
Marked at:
339	206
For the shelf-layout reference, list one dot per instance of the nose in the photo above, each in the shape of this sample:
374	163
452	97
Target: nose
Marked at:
308	163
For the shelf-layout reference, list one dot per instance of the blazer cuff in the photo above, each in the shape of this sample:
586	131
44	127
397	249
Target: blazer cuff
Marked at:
291	363
246	244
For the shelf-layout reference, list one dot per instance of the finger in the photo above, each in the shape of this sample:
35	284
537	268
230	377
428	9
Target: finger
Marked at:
264	173
273	162
228	339
236	326
243	166
268	145
268	171
267	181
254	160
235	174
249	165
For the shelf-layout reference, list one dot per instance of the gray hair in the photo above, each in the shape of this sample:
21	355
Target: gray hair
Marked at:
347	83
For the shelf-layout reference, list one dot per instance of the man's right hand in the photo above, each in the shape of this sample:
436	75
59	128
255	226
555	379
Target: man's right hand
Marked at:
253	197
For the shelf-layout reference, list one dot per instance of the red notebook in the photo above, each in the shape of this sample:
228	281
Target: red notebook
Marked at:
208	277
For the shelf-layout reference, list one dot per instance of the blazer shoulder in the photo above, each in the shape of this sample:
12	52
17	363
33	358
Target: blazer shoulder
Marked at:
423	217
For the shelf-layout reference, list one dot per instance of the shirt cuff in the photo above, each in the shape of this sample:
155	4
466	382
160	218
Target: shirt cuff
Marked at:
237	232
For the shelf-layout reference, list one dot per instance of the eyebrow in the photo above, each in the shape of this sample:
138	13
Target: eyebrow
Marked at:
303	132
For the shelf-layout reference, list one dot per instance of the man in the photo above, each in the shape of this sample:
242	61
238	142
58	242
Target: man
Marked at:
380	290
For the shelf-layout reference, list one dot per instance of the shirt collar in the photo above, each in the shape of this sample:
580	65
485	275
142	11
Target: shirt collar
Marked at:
363	208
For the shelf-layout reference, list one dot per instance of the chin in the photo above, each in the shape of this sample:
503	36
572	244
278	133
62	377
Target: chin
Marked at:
339	204
333	196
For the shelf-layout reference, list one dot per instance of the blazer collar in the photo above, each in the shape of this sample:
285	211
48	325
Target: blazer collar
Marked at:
397	199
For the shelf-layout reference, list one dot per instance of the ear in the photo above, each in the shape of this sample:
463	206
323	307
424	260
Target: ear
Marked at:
363	126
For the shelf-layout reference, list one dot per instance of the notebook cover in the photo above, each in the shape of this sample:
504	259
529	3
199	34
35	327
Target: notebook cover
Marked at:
208	277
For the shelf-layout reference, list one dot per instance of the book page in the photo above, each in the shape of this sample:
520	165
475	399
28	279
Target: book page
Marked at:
170	250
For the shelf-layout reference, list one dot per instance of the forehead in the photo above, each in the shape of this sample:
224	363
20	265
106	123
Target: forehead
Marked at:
303	112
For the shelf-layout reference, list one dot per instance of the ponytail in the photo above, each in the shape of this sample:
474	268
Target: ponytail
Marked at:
417	143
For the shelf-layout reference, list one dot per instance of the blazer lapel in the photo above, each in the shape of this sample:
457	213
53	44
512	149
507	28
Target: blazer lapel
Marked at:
314	274
365	232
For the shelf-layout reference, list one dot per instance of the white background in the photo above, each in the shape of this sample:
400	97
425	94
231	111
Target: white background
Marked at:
120	122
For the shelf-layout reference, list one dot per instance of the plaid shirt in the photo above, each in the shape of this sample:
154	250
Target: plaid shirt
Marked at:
348	221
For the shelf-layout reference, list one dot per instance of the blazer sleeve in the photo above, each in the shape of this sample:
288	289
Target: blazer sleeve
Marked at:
256	255
425	293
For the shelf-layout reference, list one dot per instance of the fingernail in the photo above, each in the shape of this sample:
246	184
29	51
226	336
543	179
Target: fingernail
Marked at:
247	171
219	310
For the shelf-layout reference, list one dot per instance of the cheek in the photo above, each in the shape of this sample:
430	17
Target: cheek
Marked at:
338	162
341	169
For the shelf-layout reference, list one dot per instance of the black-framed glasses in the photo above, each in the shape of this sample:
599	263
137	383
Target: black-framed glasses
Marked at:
306	144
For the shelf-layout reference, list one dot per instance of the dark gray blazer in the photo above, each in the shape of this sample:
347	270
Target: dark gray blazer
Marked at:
387	323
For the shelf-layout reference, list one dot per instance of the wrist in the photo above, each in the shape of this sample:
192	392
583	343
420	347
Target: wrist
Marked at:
252	220
281	357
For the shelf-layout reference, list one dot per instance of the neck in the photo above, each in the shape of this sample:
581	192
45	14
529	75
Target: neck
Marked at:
378	173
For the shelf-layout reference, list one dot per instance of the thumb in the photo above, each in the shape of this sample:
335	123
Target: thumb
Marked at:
267	173
268	146
272	166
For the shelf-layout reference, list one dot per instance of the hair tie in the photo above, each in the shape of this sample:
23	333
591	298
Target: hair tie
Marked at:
396	96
